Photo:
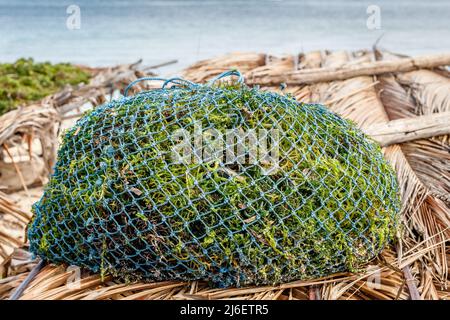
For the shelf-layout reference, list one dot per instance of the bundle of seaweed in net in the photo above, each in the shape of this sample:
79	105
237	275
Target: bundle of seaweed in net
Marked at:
217	182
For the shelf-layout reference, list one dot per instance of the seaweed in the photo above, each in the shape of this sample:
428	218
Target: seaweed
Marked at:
118	203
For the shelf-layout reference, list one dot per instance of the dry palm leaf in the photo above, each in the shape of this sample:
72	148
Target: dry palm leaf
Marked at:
381	281
206	69
423	171
13	221
34	122
430	90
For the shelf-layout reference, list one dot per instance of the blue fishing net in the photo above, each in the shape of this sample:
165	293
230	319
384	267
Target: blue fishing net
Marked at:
217	182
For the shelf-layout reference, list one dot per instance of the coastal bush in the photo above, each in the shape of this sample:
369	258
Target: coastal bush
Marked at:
25	81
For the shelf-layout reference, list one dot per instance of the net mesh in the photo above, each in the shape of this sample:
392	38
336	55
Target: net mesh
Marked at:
306	195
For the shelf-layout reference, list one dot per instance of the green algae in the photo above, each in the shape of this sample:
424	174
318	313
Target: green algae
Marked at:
122	206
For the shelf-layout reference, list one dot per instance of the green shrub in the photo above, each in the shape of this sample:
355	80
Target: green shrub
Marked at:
25	81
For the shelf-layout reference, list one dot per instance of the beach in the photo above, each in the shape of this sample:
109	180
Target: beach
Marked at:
353	202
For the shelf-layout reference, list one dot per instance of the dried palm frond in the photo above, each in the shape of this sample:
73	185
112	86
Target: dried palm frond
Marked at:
430	90
13	221
422	170
25	125
356	98
206	69
383	280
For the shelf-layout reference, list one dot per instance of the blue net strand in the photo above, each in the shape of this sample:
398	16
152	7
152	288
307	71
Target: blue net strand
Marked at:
120	203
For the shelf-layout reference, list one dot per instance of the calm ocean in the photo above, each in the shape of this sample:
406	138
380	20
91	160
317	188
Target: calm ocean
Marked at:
116	31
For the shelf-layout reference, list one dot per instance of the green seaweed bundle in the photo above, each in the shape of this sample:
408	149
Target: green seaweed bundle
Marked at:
120	203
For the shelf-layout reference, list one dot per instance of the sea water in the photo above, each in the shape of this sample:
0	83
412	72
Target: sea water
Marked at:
106	32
